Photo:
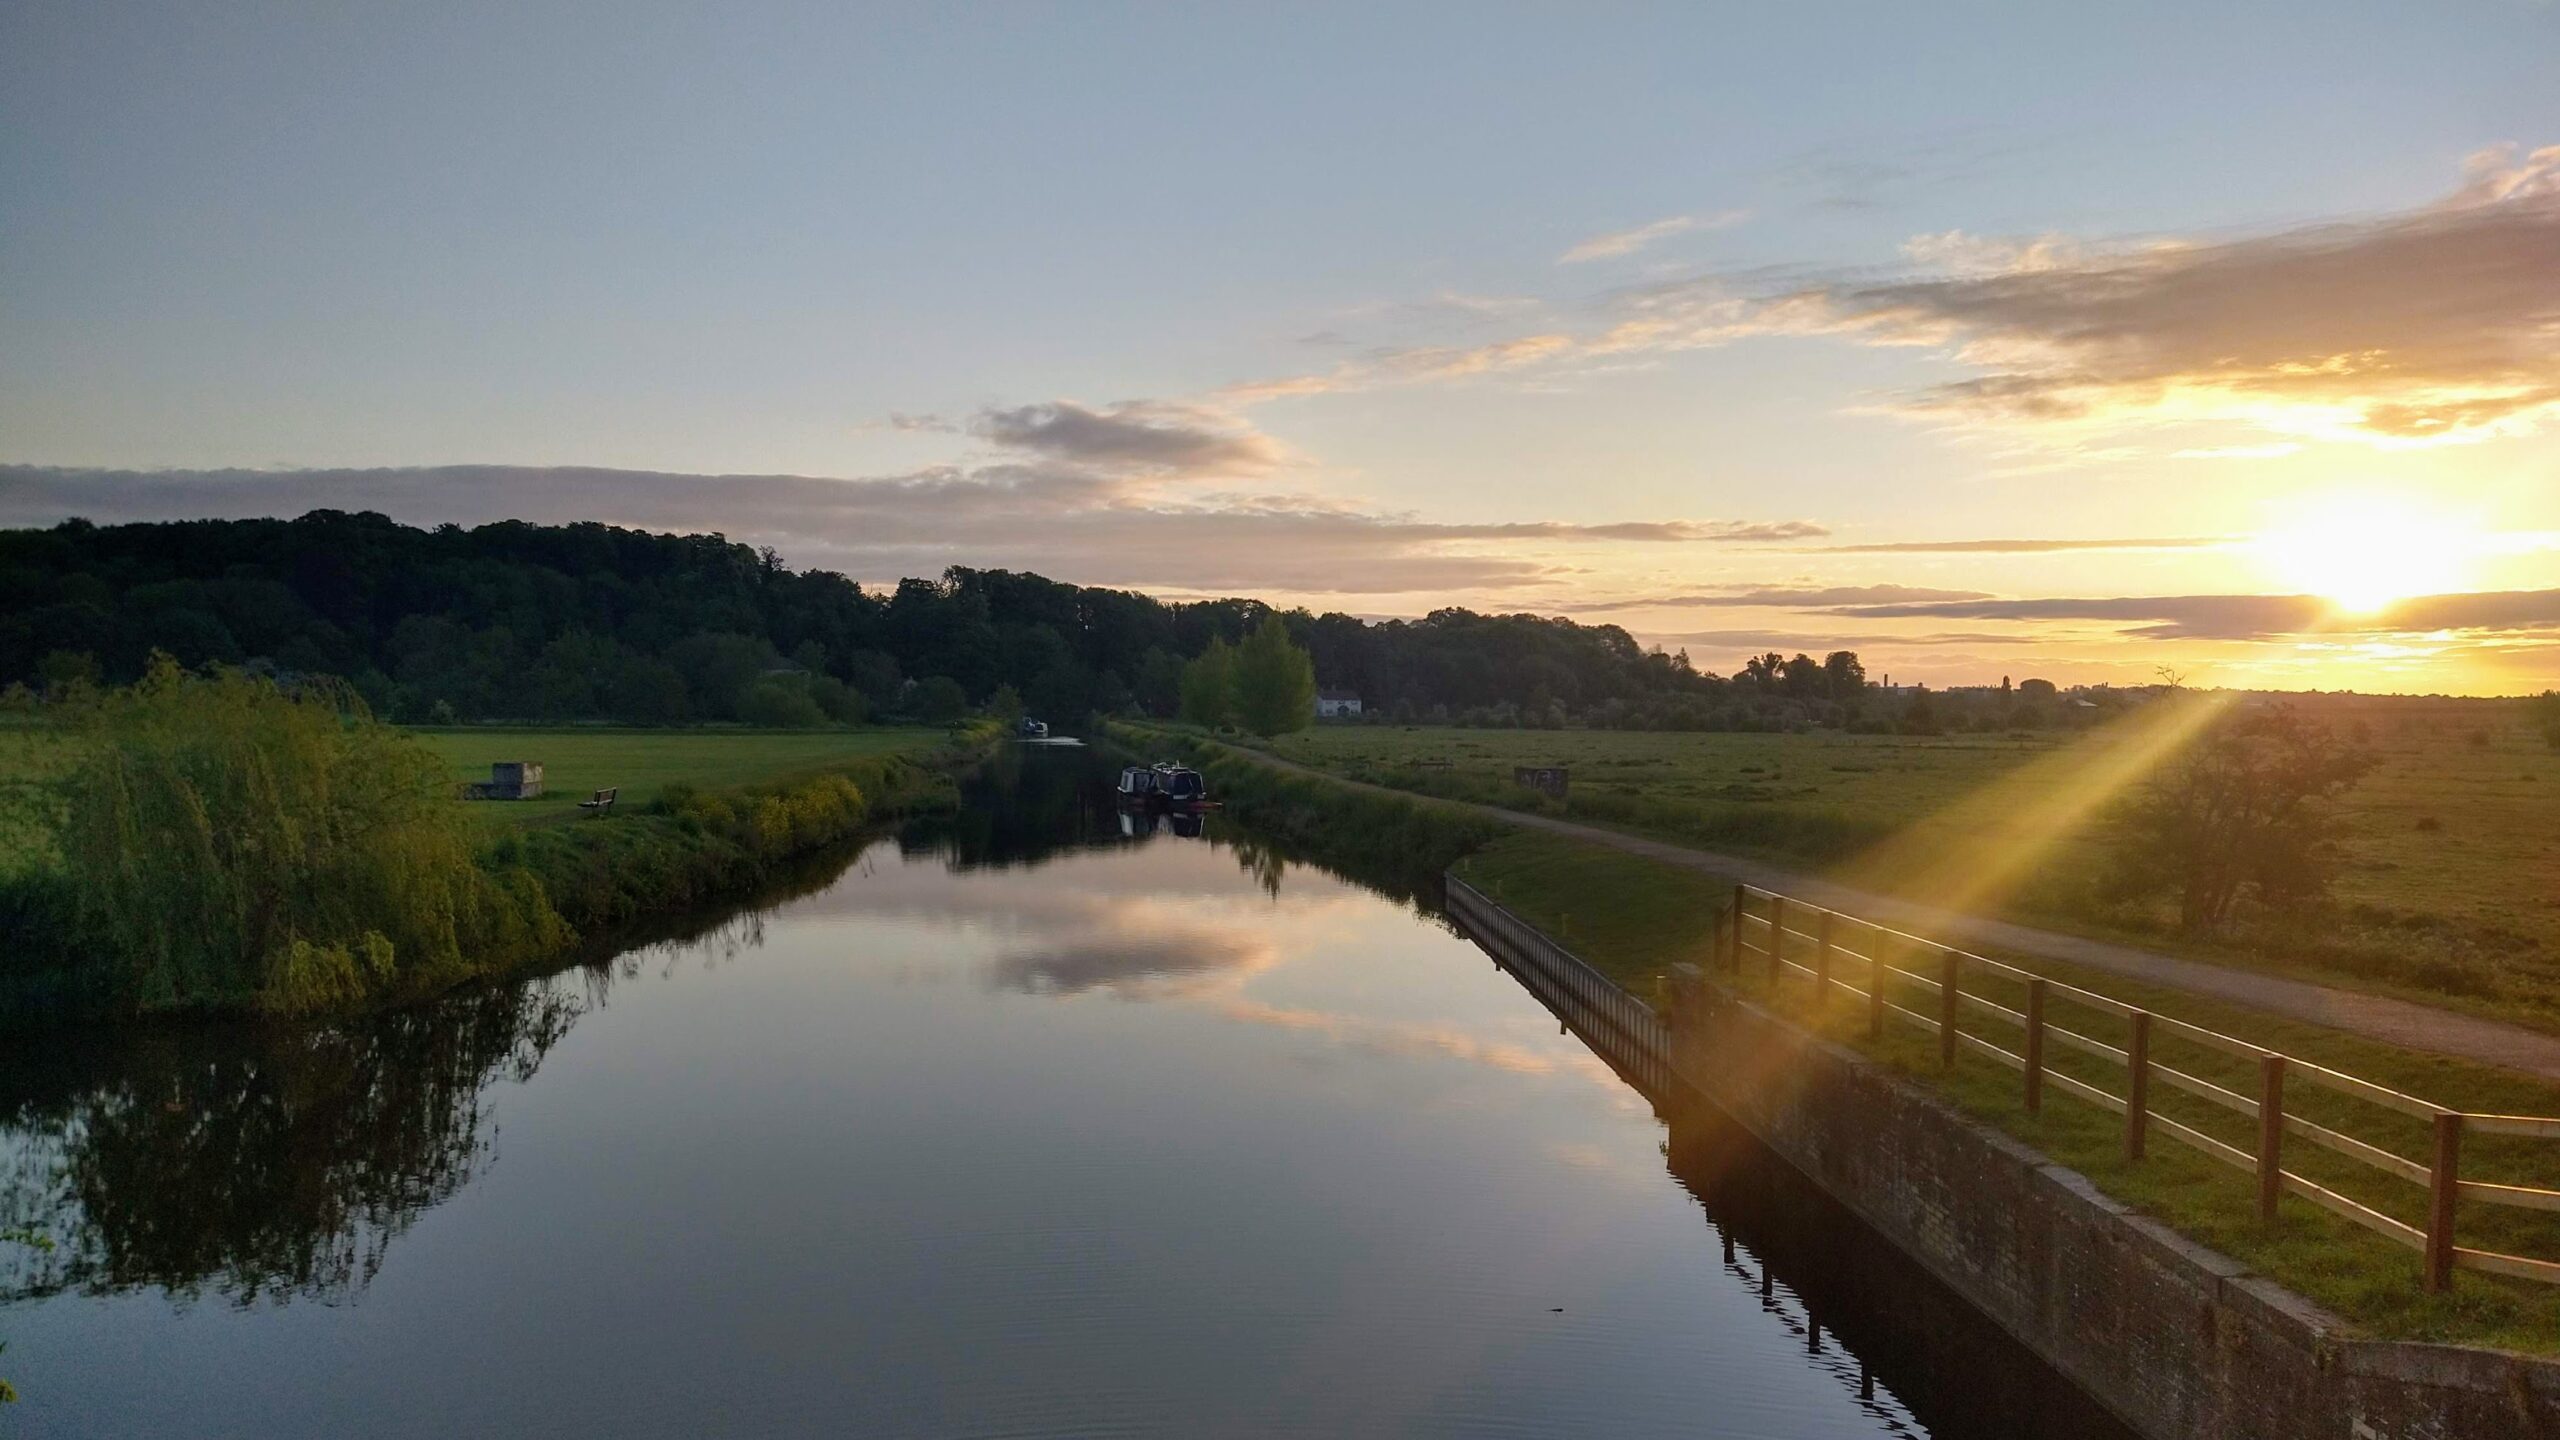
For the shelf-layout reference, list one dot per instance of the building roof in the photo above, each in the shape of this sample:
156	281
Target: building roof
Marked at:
1337	694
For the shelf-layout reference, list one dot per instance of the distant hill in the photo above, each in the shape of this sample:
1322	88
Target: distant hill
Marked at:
591	622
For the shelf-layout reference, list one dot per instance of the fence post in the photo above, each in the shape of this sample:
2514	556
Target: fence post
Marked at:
2270	1135
1822	963
1777	942
2035	1045
1876	971
2137	1097
2444	1182
1740	894
1952	969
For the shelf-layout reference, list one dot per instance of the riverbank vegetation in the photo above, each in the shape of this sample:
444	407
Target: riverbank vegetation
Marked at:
217	841
2445	883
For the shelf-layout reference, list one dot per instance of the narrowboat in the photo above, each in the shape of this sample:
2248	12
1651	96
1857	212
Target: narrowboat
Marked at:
1164	783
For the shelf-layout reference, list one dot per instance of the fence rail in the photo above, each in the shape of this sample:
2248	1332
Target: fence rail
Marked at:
1776	936
1622	1029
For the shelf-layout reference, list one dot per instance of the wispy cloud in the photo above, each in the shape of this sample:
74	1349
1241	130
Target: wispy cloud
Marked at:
1618	243
2026	547
1078	522
1800	596
2250	617
2436	324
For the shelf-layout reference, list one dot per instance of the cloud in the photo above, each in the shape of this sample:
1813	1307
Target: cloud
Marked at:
2431	325
1753	642
1144	435
1824	596
1061	519
2254	617
1619	243
2024	547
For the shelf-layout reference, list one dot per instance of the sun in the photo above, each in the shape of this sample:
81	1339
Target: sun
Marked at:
2364	552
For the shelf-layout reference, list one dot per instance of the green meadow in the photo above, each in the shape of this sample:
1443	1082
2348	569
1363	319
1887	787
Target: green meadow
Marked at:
2449	889
577	761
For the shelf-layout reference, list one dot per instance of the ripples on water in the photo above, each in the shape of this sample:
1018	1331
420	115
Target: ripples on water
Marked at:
1028	1122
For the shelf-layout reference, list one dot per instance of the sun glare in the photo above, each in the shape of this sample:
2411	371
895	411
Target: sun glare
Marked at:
2362	553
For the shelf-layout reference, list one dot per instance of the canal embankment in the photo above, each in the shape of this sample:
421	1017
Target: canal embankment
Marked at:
2175	1337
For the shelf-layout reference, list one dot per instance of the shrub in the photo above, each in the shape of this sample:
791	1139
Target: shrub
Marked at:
227	840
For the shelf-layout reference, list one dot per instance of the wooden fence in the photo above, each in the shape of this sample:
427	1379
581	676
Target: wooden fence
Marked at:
1797	940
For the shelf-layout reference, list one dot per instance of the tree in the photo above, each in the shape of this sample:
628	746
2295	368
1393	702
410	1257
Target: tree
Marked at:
1005	704
938	700
1208	686
1844	677
1275	681
2244	810
780	702
1159	682
2546	714
2032	688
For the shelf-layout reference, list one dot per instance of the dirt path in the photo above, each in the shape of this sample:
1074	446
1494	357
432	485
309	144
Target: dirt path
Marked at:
2403	1023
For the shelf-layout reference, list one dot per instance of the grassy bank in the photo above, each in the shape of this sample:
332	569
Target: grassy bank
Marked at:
703	815
1632	917
2450	895
1401	846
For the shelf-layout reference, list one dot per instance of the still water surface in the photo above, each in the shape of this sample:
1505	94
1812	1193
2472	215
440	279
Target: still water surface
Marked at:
1016	1125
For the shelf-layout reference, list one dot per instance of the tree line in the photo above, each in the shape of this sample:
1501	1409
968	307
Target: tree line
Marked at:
514	621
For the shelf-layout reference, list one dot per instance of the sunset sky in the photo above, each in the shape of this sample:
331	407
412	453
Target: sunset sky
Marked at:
2059	340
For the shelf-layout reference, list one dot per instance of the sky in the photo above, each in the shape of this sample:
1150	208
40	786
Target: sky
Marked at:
2070	341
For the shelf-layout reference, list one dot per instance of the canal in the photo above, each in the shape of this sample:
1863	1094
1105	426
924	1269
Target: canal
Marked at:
1032	1120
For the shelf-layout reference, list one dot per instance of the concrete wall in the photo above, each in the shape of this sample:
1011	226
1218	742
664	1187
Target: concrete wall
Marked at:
2176	1339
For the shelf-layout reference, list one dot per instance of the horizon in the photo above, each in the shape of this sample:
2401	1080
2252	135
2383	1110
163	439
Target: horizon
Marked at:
1705	662
2070	345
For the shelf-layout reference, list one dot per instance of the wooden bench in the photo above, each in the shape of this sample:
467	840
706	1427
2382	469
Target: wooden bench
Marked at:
602	802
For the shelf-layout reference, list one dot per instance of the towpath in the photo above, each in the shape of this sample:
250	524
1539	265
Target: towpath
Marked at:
2404	1023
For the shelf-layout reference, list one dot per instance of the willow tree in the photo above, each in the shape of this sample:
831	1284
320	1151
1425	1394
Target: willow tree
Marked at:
1275	681
227	839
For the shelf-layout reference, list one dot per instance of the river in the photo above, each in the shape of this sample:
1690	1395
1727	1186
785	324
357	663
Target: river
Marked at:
1027	1121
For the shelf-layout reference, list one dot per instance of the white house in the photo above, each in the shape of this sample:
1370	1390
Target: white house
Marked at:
1336	704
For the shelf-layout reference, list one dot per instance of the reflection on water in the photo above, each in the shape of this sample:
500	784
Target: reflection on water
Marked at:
1026	1122
256	1164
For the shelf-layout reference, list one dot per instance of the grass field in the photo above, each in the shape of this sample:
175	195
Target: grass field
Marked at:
576	762
2451	889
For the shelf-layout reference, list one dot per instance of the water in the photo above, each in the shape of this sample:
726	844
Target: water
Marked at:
1017	1125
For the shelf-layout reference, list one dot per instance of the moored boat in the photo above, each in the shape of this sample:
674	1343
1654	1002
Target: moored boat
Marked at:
1166	784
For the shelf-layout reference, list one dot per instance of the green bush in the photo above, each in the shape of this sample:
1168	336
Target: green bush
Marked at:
226	841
